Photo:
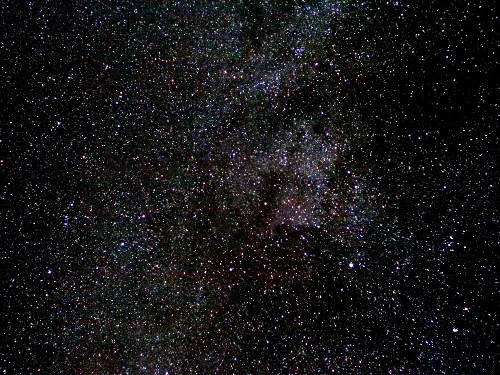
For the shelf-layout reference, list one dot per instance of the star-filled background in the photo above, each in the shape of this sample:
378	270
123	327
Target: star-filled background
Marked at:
249	187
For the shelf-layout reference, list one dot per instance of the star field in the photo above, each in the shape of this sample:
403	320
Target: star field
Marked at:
249	187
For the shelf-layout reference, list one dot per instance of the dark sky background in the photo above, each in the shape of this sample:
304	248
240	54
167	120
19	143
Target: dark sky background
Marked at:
249	187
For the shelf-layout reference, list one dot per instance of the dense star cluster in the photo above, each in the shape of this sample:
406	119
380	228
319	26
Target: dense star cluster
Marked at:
249	187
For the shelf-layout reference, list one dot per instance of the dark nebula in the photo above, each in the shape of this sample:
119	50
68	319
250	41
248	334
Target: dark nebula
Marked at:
249	187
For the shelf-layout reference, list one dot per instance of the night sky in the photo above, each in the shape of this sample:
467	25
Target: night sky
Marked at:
249	187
